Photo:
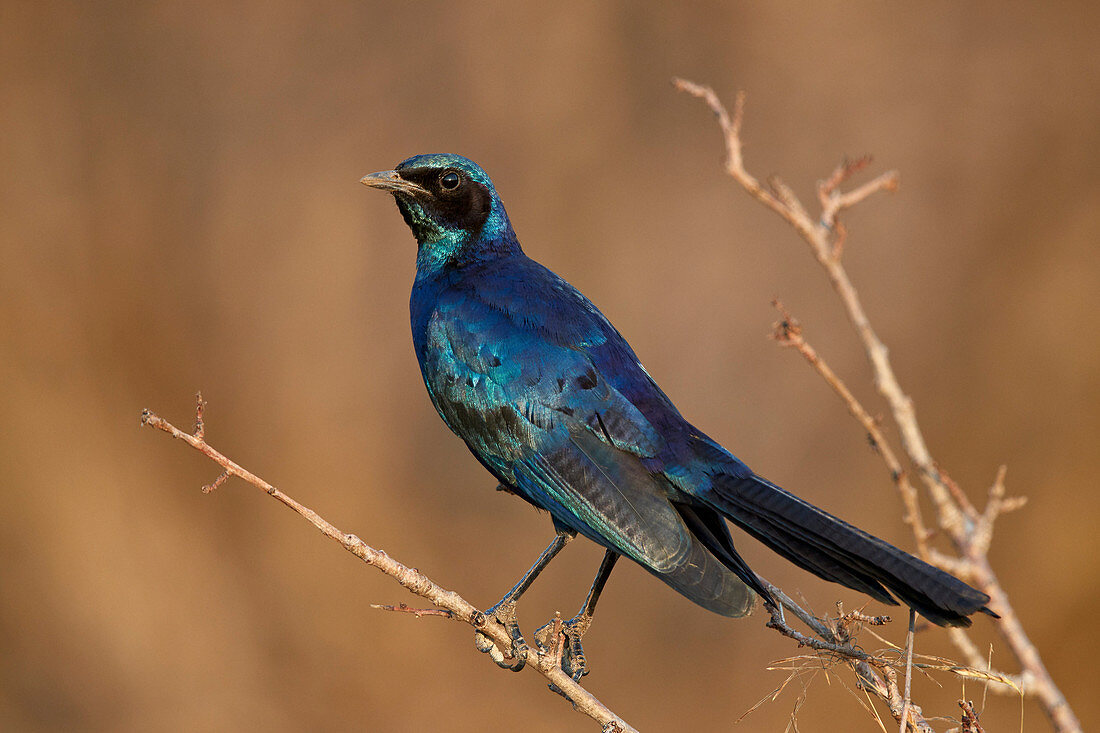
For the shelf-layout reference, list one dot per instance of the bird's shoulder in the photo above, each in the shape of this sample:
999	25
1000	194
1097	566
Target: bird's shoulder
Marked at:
532	298
517	334
509	309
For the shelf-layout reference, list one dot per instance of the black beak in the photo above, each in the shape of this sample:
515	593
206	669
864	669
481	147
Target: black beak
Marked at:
392	181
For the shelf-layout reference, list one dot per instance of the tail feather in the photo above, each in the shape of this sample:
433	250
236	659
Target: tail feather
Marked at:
710	529
708	581
799	548
836	551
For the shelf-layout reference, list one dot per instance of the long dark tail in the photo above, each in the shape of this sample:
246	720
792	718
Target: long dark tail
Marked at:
835	550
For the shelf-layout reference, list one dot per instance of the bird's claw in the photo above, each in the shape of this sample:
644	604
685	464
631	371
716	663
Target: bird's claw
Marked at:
573	661
515	657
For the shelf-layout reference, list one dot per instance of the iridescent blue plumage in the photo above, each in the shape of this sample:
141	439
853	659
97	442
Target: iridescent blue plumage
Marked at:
552	400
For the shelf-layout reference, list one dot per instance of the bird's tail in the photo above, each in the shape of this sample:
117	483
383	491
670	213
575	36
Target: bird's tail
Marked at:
835	550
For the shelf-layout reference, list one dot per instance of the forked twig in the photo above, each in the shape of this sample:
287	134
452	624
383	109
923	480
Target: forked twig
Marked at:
877	674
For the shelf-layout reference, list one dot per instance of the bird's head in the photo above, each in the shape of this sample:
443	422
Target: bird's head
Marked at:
449	204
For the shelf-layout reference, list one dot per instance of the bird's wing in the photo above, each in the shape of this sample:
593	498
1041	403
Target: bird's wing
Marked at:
613	497
541	416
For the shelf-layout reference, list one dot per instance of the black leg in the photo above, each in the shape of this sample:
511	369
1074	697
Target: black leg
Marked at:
573	661
599	582
504	611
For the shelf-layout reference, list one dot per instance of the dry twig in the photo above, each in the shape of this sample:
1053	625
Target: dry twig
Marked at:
969	530
970	722
448	603
877	673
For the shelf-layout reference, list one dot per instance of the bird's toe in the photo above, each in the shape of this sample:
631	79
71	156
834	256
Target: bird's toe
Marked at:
515	657
568	634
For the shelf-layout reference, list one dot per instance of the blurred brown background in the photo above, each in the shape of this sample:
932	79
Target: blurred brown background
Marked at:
179	209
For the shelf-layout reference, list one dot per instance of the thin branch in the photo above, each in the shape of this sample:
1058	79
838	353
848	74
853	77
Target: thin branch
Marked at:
908	670
876	673
418	612
546	662
731	128
788	332
970	722
969	530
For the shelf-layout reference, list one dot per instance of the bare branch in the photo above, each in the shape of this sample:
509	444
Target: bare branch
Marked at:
907	701
418	612
448	603
731	129
969	530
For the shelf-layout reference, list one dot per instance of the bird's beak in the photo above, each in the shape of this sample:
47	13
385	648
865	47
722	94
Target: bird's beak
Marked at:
392	181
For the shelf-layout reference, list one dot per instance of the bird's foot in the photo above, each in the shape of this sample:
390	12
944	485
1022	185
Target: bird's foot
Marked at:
504	613
573	661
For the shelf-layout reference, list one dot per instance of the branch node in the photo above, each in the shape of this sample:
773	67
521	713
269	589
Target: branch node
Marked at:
847	168
200	427
998	487
787	196
839	238
417	612
970	722
217	482
957	493
787	331
848	624
551	652
738	112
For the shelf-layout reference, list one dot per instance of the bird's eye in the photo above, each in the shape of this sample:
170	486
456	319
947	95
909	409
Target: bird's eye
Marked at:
449	181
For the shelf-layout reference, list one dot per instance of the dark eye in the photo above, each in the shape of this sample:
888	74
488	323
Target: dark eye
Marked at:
449	181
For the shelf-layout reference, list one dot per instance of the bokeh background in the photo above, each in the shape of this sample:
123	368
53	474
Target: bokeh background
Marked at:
179	210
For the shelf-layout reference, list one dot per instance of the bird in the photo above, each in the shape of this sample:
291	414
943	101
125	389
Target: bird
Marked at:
555	404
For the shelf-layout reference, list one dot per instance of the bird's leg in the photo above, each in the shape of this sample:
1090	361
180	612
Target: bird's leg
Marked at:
573	661
504	611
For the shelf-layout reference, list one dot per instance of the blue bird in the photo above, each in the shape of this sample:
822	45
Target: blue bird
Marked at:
554	403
